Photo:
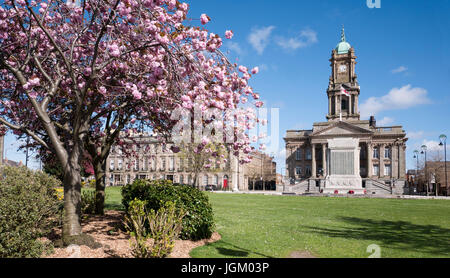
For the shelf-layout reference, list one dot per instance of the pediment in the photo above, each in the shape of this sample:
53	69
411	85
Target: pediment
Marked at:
341	128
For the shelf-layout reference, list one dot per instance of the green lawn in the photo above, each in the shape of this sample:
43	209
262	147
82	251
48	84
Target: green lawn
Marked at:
274	226
113	199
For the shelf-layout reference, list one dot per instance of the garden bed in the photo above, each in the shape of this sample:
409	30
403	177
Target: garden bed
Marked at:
115	242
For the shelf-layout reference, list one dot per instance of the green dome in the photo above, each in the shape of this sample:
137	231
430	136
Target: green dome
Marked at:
343	47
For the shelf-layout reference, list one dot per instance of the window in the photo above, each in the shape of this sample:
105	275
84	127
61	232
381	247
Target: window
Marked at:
298	154
205	179
376	153
171	164
298	171
144	164
376	170
119	164
136	164
117	178
111	179
128	179
163	163
308	154
111	165
216	179
308	170
153	162
181	179
387	152
180	164
387	170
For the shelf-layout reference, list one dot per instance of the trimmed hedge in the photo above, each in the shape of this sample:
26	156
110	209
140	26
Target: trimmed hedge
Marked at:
198	223
28	209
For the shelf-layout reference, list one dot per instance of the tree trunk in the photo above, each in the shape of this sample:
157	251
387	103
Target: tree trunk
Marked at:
72	202
100	187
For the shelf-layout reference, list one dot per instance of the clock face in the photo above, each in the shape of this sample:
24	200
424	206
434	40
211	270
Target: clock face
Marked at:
342	68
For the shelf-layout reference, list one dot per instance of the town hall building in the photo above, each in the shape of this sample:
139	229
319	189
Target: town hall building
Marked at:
346	154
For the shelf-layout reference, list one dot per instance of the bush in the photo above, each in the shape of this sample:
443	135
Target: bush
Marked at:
165	226
28	208
198	223
87	201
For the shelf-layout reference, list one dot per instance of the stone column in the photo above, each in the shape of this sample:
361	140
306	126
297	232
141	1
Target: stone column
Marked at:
402	161
369	160
382	147
395	161
329	105
356	105
324	159
313	161
336	105
350	105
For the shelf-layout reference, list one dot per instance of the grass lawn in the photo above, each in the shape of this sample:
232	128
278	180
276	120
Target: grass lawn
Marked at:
275	226
113	199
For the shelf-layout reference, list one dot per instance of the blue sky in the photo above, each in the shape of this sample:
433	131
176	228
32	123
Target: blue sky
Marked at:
403	49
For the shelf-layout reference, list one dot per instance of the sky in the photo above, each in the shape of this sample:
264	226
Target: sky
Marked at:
403	61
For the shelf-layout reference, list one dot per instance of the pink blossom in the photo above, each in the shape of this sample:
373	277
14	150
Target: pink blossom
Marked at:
229	34
204	19
114	50
243	69
255	70
34	81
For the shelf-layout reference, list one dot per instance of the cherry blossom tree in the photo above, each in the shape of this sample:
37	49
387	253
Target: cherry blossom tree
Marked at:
76	77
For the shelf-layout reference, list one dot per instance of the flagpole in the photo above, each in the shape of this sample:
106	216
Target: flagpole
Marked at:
340	110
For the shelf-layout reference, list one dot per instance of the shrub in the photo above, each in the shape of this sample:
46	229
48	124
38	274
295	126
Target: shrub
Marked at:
88	201
198	223
28	208
165	226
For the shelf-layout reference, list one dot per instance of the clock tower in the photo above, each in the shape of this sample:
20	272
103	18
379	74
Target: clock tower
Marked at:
341	106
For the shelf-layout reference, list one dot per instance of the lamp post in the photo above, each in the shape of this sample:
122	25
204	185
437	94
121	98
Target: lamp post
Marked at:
424	151
416	156
443	139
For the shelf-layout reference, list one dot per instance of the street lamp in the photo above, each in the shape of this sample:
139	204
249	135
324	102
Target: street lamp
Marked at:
424	151
416	156
443	139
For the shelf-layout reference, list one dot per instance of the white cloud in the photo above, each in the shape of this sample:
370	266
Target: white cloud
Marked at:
259	38
235	47
399	69
398	98
432	145
415	134
306	38
385	121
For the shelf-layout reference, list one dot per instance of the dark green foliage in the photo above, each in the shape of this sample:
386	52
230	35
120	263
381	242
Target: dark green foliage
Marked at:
198	223
28	209
88	201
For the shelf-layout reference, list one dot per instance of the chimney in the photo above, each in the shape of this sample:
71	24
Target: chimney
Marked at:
372	122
